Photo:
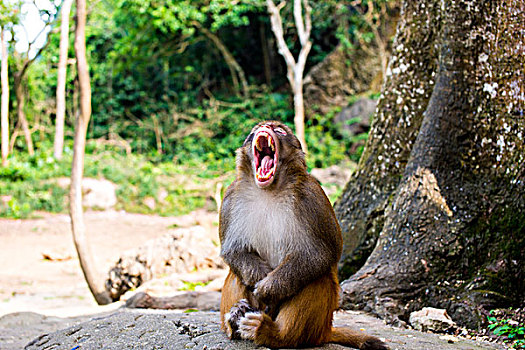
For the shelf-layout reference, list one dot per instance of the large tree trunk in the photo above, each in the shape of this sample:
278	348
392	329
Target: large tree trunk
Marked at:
61	80
4	124
95	281
361	208
441	185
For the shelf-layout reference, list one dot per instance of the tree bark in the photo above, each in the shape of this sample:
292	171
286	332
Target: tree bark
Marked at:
61	80
295	69
94	280
445	188
5	100
406	92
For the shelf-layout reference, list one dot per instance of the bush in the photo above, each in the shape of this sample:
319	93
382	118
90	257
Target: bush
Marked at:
507	329
198	152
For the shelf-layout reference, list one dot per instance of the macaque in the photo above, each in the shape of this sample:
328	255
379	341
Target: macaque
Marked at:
282	242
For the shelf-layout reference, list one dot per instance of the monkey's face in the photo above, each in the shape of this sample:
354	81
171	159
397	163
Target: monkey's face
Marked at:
268	144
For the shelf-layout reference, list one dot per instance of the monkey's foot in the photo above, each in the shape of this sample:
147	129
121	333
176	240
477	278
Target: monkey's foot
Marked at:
233	318
249	324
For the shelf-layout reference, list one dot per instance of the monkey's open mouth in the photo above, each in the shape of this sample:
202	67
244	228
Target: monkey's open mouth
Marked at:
266	156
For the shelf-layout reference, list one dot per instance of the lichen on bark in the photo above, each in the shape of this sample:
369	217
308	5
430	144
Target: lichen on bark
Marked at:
405	95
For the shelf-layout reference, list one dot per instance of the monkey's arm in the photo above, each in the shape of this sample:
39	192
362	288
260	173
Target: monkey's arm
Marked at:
248	266
297	270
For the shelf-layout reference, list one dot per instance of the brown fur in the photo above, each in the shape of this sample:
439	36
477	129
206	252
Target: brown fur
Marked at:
292	222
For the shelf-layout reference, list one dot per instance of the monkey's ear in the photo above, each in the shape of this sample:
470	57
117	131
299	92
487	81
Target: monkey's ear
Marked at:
248	140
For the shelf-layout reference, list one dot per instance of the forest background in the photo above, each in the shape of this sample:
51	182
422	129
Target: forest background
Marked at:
176	86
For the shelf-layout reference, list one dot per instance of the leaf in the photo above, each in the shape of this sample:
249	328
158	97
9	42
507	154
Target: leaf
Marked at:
190	310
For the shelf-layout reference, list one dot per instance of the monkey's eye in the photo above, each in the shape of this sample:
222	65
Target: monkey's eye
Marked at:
280	131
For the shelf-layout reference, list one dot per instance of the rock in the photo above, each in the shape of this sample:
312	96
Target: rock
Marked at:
331	82
142	330
162	194
150	202
161	329
16	329
55	256
355	119
202	301
333	178
96	193
449	338
179	251
203	281
431	319
332	175
5	199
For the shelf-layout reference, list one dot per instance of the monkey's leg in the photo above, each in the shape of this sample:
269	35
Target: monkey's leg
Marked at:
305	319
235	303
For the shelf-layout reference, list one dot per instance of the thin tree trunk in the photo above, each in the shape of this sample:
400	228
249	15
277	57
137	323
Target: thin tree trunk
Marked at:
266	55
61	80
298	102
5	101
453	232
158	133
20	99
94	281
295	69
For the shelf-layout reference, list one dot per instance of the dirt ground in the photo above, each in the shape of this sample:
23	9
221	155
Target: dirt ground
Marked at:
34	289
56	287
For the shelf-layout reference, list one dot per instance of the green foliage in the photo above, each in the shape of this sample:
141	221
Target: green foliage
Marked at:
162	88
325	144
328	144
26	185
360	21
190	286
187	311
511	331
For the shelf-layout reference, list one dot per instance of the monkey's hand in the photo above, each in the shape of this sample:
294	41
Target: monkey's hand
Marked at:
266	290
294	273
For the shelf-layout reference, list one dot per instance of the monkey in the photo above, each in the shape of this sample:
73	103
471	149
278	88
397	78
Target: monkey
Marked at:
282	242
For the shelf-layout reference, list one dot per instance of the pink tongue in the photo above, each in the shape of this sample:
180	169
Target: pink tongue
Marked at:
266	164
